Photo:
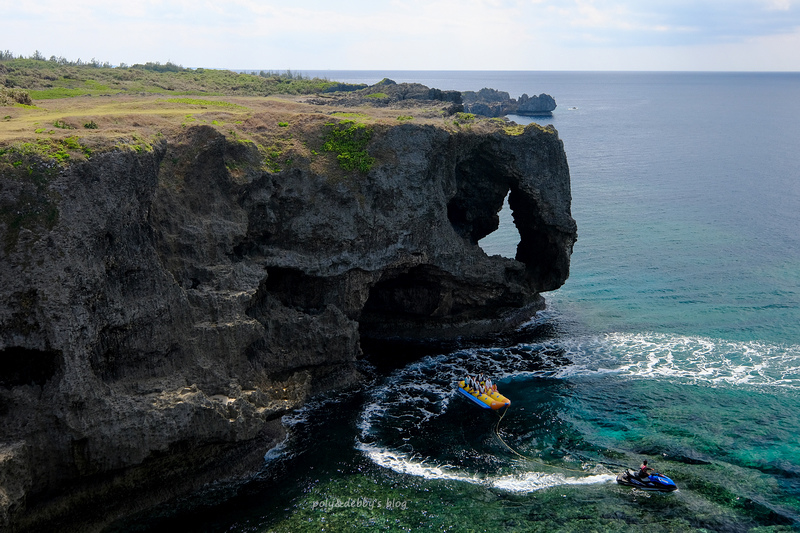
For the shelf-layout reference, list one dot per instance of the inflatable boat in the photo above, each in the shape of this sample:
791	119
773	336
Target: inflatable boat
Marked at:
484	394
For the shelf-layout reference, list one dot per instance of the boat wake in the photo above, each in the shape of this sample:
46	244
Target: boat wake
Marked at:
410	425
517	483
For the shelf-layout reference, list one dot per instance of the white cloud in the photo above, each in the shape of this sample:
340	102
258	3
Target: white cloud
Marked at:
586	13
408	34
778	5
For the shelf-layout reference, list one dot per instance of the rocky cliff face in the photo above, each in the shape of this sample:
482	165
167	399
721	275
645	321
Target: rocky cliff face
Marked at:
162	309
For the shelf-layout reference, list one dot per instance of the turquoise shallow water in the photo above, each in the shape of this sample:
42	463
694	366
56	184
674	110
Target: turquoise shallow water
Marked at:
676	339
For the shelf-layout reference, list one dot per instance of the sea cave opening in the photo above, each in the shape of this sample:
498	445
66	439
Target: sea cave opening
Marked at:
396	309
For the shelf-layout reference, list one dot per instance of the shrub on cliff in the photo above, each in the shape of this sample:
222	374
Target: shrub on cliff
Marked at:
14	96
348	140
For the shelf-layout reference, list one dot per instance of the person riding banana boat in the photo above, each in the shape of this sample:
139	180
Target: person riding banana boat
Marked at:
483	392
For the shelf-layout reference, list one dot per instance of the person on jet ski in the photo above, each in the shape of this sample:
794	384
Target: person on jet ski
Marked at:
644	470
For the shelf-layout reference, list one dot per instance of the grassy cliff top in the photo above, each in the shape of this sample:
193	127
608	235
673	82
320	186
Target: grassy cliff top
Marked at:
50	79
53	99
67	112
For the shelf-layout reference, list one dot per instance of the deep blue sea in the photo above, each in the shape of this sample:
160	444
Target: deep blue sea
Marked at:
676	339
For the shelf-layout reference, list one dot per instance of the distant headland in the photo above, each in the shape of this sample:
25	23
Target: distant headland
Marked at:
494	103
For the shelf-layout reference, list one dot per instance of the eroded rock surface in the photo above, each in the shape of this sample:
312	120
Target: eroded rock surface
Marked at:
174	303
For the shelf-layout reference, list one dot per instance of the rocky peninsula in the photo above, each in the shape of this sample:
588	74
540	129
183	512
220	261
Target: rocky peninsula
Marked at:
179	273
494	103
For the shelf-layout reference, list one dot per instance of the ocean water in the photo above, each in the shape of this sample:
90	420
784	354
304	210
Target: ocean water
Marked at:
676	339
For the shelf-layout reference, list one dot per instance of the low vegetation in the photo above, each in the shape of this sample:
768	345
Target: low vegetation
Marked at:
58	150
10	96
514	129
464	118
203	103
348	140
57	77
352	115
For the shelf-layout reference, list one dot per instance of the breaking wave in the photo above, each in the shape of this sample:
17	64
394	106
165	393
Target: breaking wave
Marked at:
693	359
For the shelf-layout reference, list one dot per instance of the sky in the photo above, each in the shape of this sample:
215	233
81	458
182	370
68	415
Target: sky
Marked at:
716	35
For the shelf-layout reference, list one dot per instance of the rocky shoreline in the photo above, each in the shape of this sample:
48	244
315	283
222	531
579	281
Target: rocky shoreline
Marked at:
162	308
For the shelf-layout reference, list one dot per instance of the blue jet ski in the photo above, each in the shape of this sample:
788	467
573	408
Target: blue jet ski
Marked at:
655	481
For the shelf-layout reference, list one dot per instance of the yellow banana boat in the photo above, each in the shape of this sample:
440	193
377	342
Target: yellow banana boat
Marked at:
486	399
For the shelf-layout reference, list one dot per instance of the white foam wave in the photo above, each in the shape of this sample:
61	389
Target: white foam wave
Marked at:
403	464
519	483
533	481
695	359
279	451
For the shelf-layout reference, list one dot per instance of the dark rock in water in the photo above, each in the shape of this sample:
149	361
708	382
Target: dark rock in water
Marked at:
493	103
164	309
535	105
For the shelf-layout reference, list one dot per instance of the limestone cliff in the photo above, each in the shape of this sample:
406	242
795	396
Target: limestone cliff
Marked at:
161	309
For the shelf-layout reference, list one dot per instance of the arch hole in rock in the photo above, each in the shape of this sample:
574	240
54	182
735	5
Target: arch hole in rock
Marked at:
481	187
505	239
